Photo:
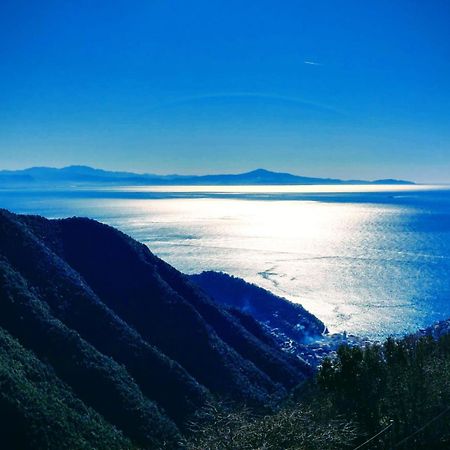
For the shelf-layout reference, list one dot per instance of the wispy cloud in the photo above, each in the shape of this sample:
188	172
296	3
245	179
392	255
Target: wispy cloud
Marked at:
250	95
311	63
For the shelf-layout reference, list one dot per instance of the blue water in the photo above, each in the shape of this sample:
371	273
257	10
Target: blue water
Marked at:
371	261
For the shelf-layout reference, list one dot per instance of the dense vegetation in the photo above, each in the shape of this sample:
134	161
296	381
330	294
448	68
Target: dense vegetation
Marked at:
295	426
399	391
288	318
103	345
129	336
38	411
404	382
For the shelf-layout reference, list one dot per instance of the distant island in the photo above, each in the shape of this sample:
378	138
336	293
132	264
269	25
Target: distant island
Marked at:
89	175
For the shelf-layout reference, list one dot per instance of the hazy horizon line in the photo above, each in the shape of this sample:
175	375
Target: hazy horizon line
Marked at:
214	173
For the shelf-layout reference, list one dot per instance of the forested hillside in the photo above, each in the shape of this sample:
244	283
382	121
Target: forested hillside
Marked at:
127	335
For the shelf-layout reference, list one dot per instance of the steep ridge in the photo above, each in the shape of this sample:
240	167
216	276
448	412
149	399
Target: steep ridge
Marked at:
279	314
127	333
96	379
173	315
37	410
73	302
248	342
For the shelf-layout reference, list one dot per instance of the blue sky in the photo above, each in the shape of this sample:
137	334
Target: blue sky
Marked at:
352	89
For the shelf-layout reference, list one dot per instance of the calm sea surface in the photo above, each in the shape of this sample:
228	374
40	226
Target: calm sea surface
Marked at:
372	260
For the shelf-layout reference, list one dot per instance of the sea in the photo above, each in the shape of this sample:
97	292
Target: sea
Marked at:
370	260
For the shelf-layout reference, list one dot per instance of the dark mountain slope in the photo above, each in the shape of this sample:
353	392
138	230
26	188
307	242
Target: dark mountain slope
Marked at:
96	379
253	326
278	313
73	303
127	333
252	343
37	410
173	315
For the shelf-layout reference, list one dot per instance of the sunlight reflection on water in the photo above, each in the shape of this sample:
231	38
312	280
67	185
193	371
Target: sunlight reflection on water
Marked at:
372	268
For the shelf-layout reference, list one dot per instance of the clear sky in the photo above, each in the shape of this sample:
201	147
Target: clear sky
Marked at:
350	89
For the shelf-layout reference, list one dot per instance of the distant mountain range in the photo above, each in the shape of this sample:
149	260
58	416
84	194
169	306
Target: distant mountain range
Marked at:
88	175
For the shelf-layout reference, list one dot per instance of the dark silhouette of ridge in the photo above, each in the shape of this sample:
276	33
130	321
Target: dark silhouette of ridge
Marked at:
129	336
37	408
277	313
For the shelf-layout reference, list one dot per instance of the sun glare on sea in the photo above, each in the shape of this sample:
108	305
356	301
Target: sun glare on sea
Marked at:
307	251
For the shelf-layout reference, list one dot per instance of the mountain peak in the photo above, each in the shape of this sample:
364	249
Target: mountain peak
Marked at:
80	167
260	171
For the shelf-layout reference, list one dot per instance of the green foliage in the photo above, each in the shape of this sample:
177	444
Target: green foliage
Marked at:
98	381
406	381
111	336
37	410
361	391
125	332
